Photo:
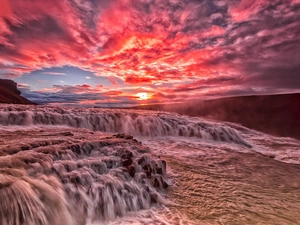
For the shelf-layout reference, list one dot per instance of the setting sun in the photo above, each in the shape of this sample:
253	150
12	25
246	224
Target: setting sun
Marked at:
142	96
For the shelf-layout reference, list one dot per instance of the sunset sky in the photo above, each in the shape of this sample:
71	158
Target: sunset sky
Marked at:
127	52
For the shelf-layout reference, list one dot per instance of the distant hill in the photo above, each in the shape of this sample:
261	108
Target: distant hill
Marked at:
9	93
274	114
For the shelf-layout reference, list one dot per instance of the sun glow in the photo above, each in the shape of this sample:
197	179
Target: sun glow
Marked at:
143	96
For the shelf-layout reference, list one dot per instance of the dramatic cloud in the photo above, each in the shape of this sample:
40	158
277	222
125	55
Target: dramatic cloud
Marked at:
173	50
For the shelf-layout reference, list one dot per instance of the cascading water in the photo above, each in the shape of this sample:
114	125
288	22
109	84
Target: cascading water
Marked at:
67	166
137	123
78	183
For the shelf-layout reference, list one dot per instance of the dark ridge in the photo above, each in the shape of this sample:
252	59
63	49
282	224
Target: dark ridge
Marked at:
274	114
10	94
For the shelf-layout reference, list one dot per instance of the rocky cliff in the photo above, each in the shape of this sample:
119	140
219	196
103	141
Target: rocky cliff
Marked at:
9	93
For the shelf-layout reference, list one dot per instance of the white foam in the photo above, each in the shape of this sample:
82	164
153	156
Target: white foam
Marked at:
137	123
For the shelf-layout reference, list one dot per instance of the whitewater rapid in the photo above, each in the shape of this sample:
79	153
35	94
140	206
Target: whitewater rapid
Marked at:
137	123
115	166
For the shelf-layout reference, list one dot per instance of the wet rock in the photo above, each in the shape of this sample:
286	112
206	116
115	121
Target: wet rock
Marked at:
26	147
35	145
142	160
165	184
156	182
131	170
87	148
164	164
162	168
140	177
5	184
68	133
110	163
143	150
154	197
75	149
125	154
148	170
75	180
127	162
159	170
123	135
159	182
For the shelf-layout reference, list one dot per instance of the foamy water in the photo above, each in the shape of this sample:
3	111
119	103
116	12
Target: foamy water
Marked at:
64	166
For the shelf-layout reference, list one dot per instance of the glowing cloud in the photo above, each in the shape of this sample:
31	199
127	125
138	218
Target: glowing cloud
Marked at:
177	50
143	96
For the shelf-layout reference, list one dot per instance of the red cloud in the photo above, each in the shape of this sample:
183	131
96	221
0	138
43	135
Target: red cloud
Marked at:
138	79
165	45
5	9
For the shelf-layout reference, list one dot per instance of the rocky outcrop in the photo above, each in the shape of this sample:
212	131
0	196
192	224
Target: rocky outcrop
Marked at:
10	94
